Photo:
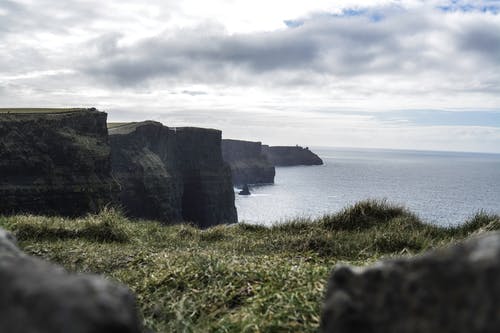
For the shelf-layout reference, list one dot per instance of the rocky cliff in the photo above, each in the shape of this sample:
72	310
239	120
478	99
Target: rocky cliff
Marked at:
248	164
172	174
290	155
55	163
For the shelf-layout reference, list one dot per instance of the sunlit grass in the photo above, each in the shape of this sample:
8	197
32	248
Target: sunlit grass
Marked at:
235	278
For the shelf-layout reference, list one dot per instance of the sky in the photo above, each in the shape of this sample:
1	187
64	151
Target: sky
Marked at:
406	74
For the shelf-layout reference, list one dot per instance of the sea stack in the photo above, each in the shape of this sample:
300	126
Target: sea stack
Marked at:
245	190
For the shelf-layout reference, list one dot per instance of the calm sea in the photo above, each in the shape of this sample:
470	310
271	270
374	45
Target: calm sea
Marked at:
443	188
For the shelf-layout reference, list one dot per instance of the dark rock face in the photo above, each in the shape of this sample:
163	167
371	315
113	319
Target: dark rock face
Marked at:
37	296
54	163
172	174
456	289
248	164
208	197
140	154
290	156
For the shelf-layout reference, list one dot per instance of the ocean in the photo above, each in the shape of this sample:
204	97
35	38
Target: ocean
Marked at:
443	188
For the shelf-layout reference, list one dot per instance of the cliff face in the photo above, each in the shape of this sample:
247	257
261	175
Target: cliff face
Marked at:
291	155
172	174
139	156
248	164
54	163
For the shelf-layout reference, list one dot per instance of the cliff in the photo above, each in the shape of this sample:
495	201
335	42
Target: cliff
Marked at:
248	164
172	174
54	162
290	155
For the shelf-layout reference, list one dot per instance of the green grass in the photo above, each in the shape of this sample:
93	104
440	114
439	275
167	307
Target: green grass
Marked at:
39	110
238	278
115	125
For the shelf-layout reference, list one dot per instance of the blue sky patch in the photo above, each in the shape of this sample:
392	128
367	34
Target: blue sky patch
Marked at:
442	118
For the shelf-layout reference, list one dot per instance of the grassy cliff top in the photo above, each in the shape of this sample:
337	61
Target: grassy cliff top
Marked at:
116	125
235	278
40	110
127	127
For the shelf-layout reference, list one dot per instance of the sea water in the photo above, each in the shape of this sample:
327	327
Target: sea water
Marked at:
443	188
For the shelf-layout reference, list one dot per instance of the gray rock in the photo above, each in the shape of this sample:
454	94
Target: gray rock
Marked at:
39	297
8	244
456	289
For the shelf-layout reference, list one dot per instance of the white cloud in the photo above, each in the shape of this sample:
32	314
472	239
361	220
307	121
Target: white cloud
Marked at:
235	63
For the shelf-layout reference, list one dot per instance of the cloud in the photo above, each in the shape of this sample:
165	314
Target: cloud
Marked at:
260	63
403	46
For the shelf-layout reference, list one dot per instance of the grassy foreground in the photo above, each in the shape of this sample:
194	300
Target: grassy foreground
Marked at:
239	278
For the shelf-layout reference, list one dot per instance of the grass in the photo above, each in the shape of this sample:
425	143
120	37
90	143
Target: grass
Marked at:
115	125
38	110
238	278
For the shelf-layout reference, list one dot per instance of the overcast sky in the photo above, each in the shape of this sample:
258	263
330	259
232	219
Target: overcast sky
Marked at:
392	74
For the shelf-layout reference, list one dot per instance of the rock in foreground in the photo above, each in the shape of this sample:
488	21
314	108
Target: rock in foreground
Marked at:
456	289
54	163
39	297
290	155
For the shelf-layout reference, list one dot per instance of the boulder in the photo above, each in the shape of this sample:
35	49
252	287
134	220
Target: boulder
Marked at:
39	297
290	155
172	174
456	289
248	164
54	163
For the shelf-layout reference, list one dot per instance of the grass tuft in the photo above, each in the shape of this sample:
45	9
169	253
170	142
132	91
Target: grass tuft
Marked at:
366	214
107	226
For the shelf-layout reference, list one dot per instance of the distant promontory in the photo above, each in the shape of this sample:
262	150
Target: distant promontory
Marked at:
248	164
254	163
290	155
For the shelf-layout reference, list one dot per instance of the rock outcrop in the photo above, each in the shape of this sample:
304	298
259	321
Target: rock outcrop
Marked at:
40	297
54	163
290	155
456	289
172	174
248	164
